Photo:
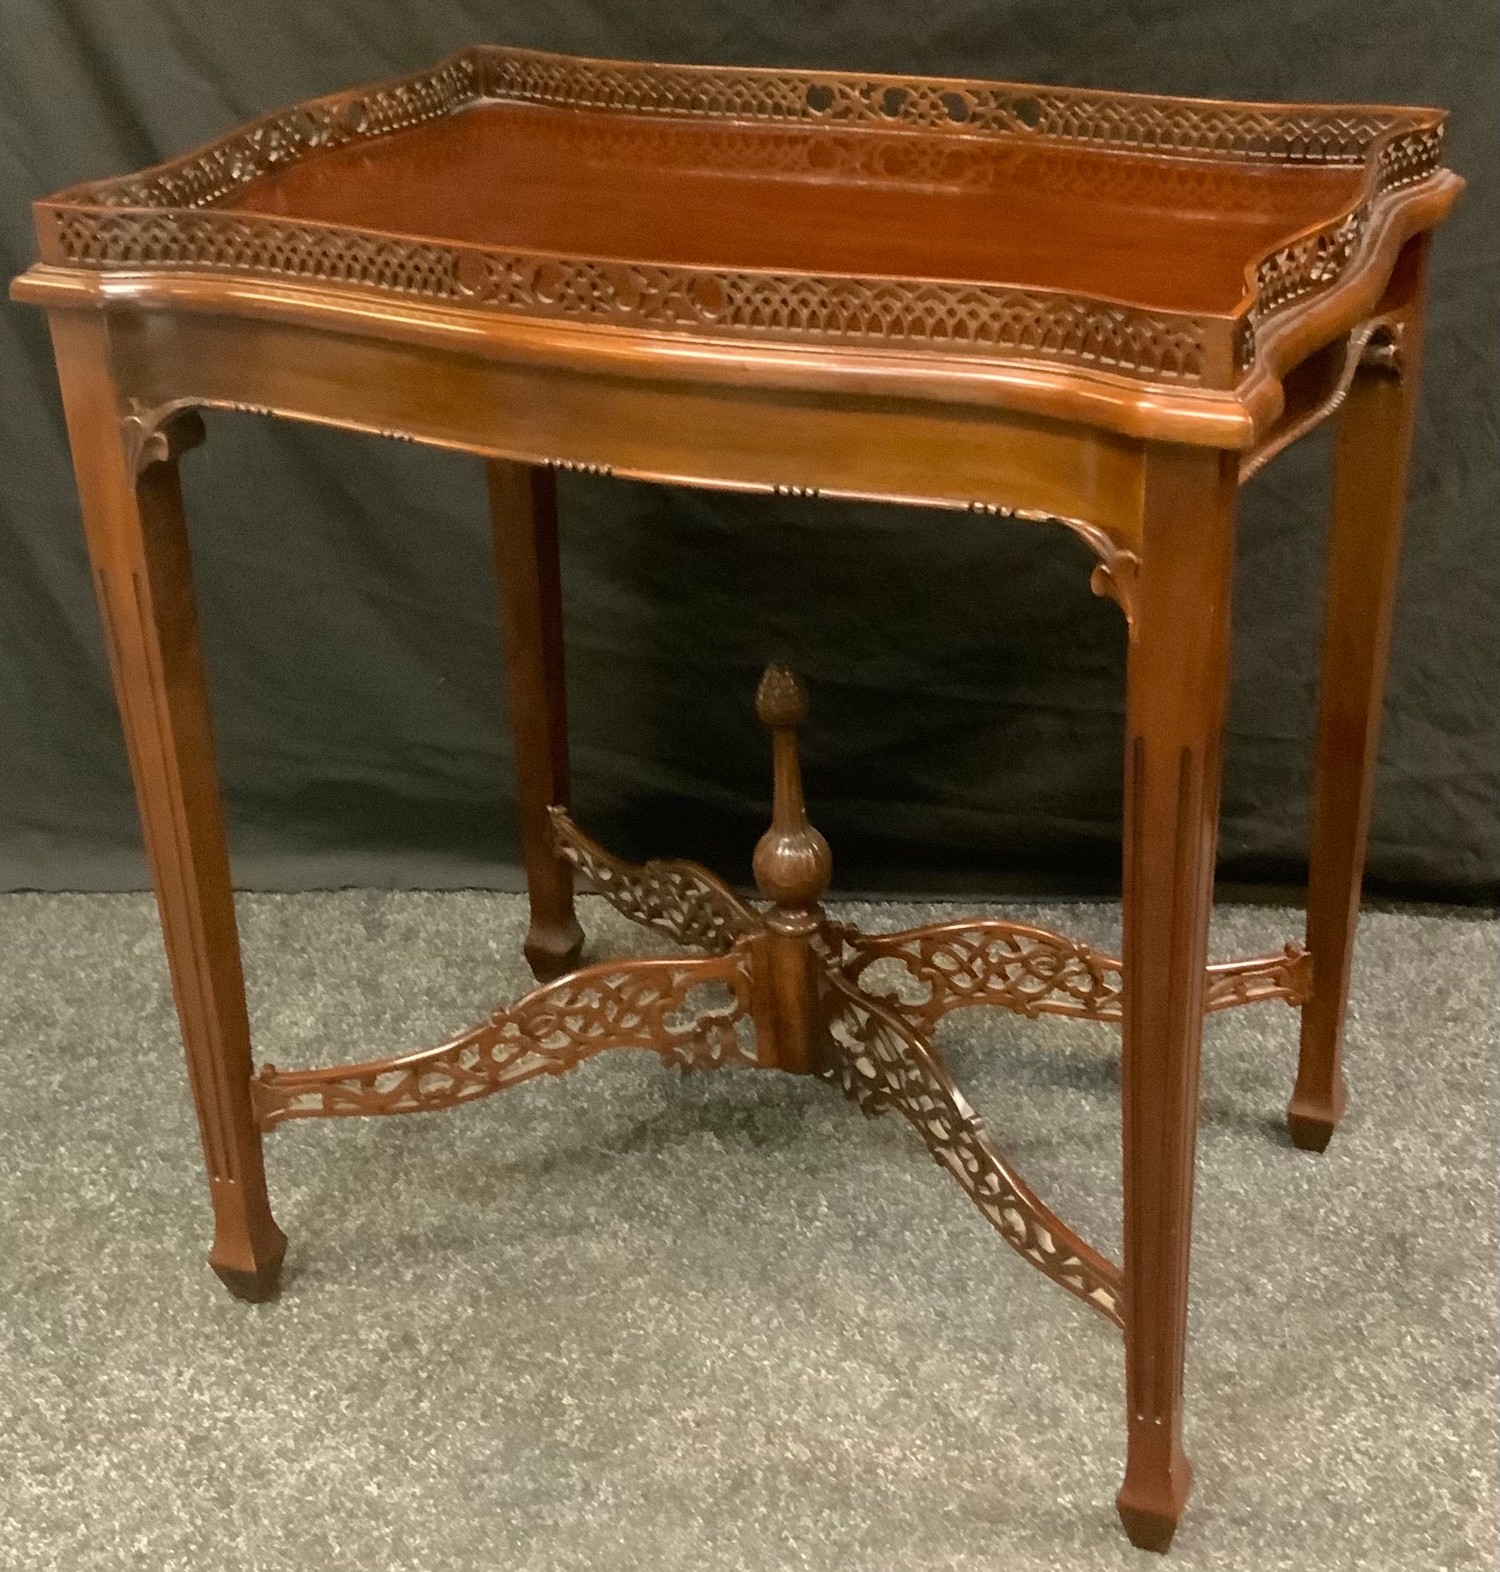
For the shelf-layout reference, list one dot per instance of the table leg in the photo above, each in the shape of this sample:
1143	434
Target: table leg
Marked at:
523	516
1178	665
1364	552
137	539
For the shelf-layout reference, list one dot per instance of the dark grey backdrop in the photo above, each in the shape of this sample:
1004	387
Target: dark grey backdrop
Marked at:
967	687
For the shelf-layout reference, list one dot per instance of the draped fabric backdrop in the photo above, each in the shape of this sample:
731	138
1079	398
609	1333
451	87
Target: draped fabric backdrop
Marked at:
967	688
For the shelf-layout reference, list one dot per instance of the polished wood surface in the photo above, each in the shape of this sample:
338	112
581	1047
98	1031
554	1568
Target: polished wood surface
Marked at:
1175	234
523	515
1098	311
1364	554
137	538
1174	723
1164	263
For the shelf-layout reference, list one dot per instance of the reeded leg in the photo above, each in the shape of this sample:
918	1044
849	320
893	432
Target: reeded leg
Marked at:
1364	551
1174	721
523	514
132	511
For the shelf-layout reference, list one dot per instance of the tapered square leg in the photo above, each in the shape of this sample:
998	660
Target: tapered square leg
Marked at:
523	515
1179	644
1364	553
126	467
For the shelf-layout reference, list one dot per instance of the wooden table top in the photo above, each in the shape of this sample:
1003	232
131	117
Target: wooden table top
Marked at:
1164	234
1186	247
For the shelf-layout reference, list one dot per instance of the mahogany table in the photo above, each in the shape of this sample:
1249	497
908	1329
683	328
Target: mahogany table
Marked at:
1097	309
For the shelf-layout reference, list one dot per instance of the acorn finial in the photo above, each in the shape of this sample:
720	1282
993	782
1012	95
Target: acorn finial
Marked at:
792	861
780	700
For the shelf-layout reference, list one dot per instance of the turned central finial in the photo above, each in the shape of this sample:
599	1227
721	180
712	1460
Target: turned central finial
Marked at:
780	700
792	861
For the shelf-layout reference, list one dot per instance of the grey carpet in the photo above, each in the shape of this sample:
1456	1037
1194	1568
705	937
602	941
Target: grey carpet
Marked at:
626	1320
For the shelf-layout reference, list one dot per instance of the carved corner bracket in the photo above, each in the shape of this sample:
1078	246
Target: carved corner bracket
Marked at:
158	436
1317	389
1115	579
1115	575
1385	347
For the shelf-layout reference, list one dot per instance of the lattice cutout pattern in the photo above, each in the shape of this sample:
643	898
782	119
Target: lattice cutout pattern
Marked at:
164	218
880	1063
923	973
692	1013
680	899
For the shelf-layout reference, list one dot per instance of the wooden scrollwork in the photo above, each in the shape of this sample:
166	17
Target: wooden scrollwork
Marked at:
172	217
1287	977
693	1013
786	989
680	899
1114	575
881	1063
1409	144
948	966
1385	348
923	973
158	436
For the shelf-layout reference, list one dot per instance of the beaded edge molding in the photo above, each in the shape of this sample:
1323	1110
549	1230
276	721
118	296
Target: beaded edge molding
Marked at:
165	218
